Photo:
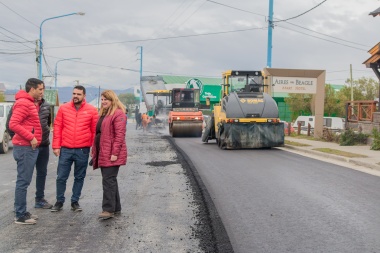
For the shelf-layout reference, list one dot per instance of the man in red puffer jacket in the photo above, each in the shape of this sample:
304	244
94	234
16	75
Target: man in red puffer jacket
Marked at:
73	135
25	123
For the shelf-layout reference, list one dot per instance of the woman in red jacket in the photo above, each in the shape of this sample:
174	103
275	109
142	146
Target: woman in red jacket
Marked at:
109	150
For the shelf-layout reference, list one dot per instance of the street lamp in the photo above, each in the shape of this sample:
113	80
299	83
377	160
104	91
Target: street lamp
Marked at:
55	73
40	49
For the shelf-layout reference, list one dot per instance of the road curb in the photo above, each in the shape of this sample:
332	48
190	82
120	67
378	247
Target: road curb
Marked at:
335	157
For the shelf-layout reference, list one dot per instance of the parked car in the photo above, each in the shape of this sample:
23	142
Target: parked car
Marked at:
333	123
4	136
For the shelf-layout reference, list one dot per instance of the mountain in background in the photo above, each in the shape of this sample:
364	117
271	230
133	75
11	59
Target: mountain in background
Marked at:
65	93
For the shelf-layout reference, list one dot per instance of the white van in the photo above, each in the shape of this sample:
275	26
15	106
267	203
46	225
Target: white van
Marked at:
333	123
4	136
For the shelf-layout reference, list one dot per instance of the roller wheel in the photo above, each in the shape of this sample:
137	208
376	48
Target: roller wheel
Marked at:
220	141
171	130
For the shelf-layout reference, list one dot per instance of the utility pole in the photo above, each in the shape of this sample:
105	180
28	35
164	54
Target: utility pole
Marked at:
352	88
141	60
270	28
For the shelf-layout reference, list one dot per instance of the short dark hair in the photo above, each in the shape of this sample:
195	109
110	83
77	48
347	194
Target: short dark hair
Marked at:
33	83
80	87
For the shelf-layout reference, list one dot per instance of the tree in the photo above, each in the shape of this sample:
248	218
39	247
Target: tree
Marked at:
363	89
335	102
331	105
299	104
2	97
341	101
346	92
129	100
369	88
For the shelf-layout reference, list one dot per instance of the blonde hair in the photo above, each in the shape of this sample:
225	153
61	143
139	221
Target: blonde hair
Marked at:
115	103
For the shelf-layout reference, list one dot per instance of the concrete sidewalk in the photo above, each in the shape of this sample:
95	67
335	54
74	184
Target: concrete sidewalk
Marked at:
370	161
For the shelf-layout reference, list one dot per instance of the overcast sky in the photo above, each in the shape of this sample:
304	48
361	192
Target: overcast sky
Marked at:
182	37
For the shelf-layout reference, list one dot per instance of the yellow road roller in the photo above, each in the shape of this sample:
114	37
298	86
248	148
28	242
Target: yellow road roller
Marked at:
246	117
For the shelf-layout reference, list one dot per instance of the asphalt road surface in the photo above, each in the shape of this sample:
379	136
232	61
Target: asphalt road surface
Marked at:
278	201
162	210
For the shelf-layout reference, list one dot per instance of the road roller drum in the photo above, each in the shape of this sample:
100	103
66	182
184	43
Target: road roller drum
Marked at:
186	129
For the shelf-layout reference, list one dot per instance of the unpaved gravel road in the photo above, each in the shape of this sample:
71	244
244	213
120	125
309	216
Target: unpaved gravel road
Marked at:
164	207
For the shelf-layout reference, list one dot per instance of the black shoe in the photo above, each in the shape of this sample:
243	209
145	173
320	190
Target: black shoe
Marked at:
76	207
42	203
28	216
25	220
57	207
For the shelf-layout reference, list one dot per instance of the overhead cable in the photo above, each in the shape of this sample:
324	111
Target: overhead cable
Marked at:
225	5
15	35
285	20
300	14
19	15
323	39
163	38
326	34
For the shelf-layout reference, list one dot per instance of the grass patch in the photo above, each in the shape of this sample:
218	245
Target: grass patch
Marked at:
293	143
339	152
303	136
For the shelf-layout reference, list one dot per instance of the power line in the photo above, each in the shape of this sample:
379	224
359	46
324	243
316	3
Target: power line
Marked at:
19	15
11	58
326	34
15	49
231	7
131	70
183	22
163	38
16	53
285	20
15	35
165	26
20	42
324	39
301	13
192	13
95	64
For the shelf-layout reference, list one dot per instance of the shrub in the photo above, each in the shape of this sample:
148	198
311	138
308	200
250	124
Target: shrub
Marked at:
350	138
376	139
330	136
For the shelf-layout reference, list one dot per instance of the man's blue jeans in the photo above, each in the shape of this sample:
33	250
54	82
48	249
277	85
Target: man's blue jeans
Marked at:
68	156
26	159
41	169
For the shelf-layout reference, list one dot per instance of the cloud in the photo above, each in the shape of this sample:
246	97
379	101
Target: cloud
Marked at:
354	32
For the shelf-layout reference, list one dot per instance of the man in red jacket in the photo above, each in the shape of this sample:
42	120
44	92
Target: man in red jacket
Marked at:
73	135
25	122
